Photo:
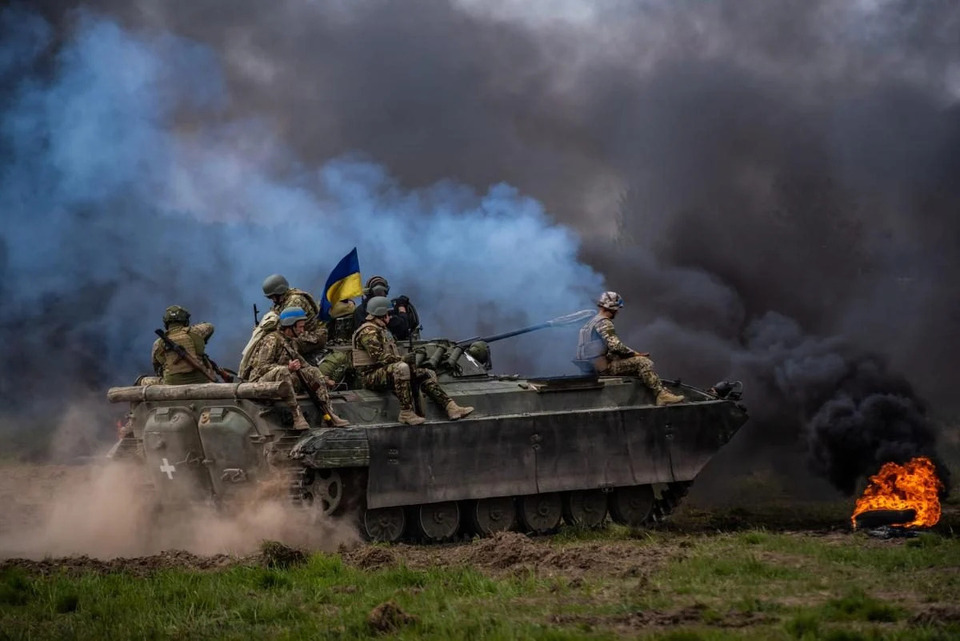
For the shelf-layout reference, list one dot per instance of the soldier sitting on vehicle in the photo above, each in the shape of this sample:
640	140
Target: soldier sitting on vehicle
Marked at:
378	362
276	358
600	346
170	366
314	336
404	320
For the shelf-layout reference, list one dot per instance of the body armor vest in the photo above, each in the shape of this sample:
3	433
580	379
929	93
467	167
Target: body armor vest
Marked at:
193	344
360	356
591	345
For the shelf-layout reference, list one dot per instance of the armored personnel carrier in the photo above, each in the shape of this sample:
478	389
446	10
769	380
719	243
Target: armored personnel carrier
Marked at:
536	451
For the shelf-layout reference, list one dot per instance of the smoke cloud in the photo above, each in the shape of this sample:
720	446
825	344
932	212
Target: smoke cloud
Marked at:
771	186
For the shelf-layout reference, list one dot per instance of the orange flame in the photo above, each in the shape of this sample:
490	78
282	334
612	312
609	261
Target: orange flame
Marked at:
913	486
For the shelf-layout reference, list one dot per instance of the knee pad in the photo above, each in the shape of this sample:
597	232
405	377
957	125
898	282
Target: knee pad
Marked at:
400	371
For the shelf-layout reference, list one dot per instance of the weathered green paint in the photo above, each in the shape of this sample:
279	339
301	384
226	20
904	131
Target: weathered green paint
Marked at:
526	436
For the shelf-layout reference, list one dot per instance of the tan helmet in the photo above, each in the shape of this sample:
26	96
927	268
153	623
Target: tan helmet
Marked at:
610	301
342	308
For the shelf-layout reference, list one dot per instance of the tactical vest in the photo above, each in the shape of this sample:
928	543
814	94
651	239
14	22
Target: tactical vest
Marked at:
591	344
360	356
311	308
173	365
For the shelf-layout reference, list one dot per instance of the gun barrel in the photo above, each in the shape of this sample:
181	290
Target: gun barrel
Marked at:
499	337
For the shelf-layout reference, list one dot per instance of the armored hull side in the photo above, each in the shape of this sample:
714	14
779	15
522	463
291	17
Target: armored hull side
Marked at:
533	452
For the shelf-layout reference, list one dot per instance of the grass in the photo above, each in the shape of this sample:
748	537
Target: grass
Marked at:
743	585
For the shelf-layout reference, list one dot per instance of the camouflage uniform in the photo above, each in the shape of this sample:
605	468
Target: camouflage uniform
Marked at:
176	370
269	364
314	338
617	359
386	369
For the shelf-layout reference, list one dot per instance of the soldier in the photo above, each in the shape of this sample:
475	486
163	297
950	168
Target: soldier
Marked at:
278	290
276	358
378	362
404	320
610	357
193	338
341	326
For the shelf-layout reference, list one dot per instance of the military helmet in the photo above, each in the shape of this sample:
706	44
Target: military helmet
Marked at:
378	306
610	301
275	285
378	286
343	308
290	315
176	314
480	351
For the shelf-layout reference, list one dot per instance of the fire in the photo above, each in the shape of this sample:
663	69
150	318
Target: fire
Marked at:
913	486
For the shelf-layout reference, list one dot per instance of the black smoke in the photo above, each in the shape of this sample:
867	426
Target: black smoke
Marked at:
771	186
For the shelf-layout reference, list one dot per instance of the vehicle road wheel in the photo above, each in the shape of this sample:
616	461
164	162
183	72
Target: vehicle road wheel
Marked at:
325	492
385	524
541	513
585	508
632	505
439	521
494	515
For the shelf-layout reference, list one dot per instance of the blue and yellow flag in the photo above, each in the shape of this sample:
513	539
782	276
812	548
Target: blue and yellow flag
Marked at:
344	282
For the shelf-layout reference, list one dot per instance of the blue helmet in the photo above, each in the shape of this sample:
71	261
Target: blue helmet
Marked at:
290	315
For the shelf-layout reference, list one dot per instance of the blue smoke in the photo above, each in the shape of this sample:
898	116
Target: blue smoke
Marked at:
126	187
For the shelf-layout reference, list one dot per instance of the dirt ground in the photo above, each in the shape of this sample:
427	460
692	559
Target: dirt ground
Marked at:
32	496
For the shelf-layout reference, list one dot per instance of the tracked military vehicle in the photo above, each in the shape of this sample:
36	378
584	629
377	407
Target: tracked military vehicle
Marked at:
536	451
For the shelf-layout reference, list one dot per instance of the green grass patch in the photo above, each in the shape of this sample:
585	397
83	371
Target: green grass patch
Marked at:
752	584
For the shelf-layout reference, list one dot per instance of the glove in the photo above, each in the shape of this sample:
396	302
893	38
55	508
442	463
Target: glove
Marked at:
410	359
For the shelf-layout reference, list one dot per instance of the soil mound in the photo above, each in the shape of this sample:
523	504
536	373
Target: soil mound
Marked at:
137	566
388	617
370	557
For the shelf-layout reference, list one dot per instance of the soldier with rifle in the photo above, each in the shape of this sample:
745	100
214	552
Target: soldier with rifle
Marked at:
277	358
313	338
178	354
380	366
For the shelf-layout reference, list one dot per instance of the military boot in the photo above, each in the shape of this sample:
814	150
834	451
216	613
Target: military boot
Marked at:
336	421
299	422
410	417
454	411
666	397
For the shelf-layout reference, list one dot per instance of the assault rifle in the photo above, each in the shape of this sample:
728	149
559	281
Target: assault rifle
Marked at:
185	355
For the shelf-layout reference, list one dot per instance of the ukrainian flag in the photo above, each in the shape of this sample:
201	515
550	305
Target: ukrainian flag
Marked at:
344	282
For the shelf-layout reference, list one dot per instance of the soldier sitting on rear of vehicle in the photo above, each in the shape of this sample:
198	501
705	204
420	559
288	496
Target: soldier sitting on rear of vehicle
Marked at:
275	358
168	365
341	325
314	336
600	346
404	321
378	362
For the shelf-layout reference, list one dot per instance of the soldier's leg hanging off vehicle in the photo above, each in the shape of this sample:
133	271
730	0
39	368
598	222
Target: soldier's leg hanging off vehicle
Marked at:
428	382
642	367
402	387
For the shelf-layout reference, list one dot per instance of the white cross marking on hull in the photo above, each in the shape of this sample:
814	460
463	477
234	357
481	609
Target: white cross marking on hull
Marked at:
167	469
